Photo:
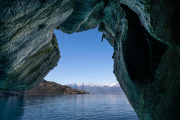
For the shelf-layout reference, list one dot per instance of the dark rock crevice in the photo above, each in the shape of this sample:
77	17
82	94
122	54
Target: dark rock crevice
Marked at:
142	52
175	23
136	49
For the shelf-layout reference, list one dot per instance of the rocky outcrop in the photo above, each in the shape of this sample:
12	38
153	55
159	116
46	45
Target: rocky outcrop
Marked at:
144	34
52	88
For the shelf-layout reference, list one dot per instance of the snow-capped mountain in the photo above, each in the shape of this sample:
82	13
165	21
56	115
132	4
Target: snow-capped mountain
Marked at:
92	84
113	88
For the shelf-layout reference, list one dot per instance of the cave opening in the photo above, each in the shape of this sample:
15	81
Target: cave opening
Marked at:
84	59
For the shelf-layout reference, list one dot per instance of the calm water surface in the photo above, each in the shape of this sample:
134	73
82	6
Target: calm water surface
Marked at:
67	107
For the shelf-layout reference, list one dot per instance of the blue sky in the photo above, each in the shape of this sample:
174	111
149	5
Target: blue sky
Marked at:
84	59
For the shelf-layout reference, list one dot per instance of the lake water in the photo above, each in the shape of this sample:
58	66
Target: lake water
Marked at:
67	107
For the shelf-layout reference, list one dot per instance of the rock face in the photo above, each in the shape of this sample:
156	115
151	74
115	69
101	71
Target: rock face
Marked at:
52	88
144	33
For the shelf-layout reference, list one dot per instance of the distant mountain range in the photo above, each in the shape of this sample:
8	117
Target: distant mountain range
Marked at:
113	88
52	88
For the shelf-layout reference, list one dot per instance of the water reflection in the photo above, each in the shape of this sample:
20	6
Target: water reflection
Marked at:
66	107
78	107
11	108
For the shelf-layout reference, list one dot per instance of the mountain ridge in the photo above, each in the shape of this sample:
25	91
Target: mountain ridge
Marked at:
94	84
112	88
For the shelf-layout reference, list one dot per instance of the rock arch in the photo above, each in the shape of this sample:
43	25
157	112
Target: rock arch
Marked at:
146	61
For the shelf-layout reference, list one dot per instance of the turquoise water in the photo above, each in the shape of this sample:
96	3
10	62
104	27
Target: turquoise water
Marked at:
66	107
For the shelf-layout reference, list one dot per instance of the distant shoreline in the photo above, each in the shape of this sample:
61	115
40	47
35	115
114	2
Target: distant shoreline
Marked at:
45	88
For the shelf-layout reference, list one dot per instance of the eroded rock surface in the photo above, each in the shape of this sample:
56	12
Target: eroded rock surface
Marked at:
144	33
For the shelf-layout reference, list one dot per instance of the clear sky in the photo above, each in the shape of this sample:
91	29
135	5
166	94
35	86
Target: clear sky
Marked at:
84	59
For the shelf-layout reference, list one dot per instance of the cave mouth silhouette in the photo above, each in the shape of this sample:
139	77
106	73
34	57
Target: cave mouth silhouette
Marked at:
84	59
141	51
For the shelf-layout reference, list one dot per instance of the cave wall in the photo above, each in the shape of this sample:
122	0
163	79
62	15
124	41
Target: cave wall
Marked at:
28	48
144	34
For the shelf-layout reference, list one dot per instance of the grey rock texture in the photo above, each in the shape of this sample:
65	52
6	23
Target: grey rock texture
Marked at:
28	50
144	33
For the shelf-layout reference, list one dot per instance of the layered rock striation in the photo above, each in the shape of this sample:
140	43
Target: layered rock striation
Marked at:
144	34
